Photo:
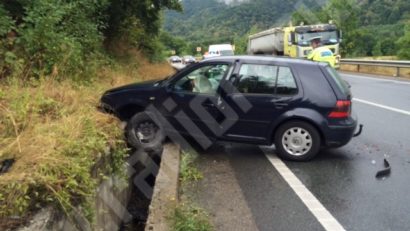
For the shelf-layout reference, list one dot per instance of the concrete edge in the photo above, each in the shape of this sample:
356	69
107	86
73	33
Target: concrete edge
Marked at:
165	195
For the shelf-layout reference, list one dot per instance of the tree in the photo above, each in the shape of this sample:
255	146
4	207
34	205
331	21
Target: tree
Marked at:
403	44
174	43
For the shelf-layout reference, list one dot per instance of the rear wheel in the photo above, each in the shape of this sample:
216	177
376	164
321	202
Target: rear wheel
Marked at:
297	140
144	133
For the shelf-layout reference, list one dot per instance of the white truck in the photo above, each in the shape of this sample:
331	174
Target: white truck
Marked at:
219	50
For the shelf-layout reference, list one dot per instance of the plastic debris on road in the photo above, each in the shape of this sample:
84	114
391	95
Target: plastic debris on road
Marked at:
384	172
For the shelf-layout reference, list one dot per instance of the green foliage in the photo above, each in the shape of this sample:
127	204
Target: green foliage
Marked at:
369	27
188	171
52	36
404	44
65	38
138	23
6	22
190	218
7	58
210	21
179	45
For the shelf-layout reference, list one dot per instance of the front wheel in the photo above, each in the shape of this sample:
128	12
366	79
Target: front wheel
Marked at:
297	140
144	133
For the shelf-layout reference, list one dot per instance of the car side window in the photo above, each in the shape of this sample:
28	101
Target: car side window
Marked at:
286	84
204	80
255	78
266	79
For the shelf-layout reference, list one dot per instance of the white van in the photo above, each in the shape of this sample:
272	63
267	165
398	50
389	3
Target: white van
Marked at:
219	50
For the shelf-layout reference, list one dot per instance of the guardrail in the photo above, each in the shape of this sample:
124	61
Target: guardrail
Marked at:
380	63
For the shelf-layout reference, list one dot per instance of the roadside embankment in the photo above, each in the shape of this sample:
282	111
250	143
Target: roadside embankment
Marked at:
60	150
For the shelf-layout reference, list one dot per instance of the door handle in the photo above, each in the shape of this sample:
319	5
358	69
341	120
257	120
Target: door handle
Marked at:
208	104
280	105
280	102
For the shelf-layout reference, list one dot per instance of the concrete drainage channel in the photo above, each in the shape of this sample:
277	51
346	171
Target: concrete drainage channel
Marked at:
121	205
155	191
165	195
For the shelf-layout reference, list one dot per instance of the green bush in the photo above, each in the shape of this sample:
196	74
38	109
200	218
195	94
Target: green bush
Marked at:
67	38
7	58
59	38
403	43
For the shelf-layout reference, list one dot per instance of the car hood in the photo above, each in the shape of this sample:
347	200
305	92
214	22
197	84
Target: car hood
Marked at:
135	86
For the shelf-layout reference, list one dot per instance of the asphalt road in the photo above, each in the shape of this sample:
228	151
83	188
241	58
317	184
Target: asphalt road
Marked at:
243	190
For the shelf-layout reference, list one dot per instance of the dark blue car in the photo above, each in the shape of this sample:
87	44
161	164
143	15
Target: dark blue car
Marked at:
298	105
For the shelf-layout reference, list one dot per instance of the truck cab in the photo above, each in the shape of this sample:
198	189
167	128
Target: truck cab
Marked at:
294	41
298	39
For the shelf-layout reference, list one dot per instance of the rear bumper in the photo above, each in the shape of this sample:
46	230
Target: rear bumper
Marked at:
336	136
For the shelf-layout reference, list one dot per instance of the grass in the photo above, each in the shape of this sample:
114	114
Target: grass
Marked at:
55	134
188	171
190	218
186	216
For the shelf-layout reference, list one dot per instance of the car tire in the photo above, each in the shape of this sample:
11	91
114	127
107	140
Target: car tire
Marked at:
142	132
297	141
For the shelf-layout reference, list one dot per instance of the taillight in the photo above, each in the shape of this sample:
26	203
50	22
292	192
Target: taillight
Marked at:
342	110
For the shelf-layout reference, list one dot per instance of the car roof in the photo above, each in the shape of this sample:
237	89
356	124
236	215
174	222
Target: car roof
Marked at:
263	58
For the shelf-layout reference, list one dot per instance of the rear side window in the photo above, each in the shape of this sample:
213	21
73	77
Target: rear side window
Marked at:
266	79
286	83
341	84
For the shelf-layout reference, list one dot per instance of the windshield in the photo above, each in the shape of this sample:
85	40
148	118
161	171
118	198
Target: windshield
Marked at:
327	37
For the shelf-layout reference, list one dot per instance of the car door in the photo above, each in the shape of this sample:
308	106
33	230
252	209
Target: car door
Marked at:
193	100
267	90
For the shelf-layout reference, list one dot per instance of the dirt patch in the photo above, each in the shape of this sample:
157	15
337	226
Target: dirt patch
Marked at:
348	67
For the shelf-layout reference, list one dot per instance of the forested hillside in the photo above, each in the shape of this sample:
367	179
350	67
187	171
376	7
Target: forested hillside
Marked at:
370	27
210	21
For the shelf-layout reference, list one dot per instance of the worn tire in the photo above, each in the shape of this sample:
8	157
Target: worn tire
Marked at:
155	144
304	136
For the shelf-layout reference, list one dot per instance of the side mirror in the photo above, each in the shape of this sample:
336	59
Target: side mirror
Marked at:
169	87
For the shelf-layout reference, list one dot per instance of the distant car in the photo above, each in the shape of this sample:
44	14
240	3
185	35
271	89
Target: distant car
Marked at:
188	59
298	105
175	59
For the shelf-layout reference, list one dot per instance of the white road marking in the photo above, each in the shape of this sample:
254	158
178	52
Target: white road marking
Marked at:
377	79
382	106
326	219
